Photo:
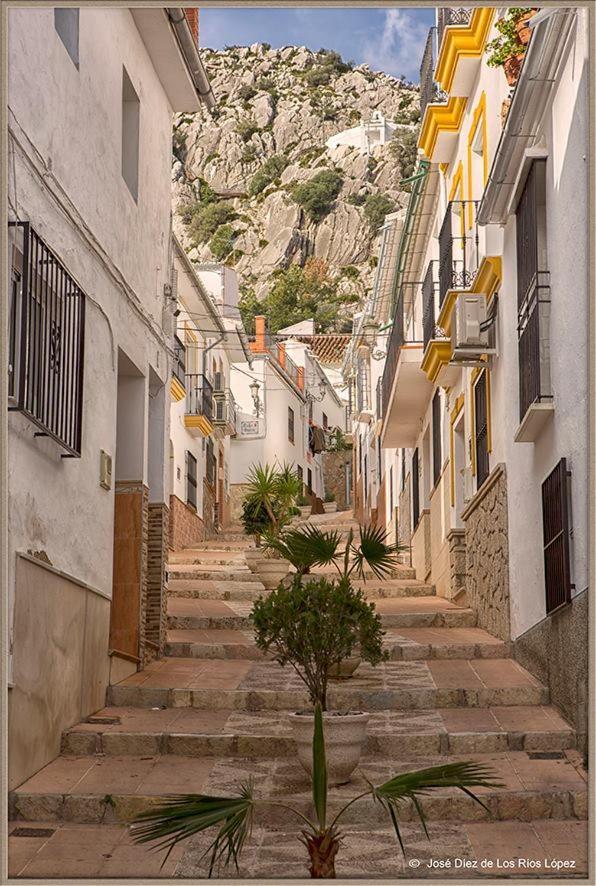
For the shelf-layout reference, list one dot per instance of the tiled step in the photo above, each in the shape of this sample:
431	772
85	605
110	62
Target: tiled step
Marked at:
246	586
403	644
368	852
406	612
207	558
264	685
222	546
399	571
202	573
195	733
216	590
96	789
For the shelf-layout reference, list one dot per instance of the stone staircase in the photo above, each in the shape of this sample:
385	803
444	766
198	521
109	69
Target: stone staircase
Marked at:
212	713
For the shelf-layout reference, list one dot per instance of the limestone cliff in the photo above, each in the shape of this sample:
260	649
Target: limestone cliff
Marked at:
237	175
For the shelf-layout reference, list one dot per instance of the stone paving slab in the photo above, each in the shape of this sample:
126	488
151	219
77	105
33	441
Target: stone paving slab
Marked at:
262	733
115	788
103	851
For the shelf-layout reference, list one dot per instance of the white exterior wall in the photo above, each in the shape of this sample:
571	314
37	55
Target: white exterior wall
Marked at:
67	181
565	136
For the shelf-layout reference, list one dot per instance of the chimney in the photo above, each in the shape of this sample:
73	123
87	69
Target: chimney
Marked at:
192	17
259	345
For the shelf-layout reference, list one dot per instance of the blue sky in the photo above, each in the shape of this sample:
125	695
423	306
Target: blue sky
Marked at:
389	40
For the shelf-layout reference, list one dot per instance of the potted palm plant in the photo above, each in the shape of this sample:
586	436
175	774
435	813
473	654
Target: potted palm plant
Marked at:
187	815
324	629
269	500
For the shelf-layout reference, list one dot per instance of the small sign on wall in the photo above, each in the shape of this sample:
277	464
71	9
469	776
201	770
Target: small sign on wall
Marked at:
249	428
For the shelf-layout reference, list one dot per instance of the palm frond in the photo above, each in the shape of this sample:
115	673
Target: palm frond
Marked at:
319	768
411	786
375	553
314	546
184	816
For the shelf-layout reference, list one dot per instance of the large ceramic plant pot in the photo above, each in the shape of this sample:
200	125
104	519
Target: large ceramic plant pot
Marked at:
252	557
271	571
345	735
512	67
329	507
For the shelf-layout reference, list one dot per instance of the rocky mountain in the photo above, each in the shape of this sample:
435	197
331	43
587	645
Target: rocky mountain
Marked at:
256	186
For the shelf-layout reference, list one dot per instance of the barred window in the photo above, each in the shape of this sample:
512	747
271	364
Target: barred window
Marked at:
191	480
46	341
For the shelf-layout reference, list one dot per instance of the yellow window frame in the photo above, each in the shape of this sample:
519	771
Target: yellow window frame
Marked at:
478	121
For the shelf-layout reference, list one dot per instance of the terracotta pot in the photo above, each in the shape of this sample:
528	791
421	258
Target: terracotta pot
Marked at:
272	571
512	67
330	507
522	28
252	557
345	669
345	735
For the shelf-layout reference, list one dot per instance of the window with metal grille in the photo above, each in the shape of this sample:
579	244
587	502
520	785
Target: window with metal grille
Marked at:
46	341
481	429
325	422
191	480
533	291
309	479
391	489
300	472
291	430
210	466
403	469
555	524
436	422
365	478
415	490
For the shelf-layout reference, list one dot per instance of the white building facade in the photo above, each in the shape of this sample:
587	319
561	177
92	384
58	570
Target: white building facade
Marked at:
484	393
89	351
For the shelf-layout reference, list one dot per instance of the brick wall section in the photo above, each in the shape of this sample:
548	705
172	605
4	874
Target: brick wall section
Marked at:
185	526
192	17
334	476
156	595
146	653
487	554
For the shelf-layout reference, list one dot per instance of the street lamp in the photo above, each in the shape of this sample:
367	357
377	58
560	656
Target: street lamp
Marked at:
255	388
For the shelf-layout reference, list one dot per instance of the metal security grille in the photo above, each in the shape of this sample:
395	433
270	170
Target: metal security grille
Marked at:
191	480
436	429
555	523
199	395
46	341
291	429
481	429
210	464
179	362
415	490
452	15
526	232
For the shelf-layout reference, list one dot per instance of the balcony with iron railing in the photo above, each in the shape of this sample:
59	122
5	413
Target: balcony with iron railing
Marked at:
198	416
450	16
178	381
459	247
430	93
404	388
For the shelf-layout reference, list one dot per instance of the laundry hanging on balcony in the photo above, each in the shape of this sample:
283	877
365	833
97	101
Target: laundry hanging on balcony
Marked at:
316	439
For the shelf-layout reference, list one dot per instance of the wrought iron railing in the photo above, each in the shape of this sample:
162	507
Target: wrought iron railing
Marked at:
224	410
452	15
429	90
199	395
179	362
458	247
533	345
404	330
46	341
429	305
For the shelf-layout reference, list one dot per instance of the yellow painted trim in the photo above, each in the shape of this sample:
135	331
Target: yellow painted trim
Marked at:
459	405
462	42
457	183
478	118
488	276
443	167
446	312
437	354
447	117
177	390
200	422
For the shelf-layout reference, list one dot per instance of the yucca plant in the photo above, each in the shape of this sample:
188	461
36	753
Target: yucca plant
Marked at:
271	492
184	816
311	546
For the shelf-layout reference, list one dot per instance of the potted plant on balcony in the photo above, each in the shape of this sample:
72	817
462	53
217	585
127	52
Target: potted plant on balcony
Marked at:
189	814
508	49
324	628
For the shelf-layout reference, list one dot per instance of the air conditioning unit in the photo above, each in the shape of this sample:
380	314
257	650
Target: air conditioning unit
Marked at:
469	329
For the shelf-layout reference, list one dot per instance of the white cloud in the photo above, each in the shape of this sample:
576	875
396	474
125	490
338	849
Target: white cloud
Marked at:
399	48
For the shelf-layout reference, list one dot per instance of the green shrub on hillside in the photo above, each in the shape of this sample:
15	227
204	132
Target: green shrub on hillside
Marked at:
207	218
403	148
376	207
222	242
269	172
317	195
246	129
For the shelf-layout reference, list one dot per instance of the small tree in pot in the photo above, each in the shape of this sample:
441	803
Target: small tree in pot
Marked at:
317	625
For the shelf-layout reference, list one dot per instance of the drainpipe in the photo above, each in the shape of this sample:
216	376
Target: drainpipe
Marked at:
191	55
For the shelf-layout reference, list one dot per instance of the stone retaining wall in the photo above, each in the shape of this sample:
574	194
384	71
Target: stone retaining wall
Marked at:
487	554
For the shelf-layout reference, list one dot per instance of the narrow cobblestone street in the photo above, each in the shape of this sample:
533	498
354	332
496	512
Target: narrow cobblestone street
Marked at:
212	713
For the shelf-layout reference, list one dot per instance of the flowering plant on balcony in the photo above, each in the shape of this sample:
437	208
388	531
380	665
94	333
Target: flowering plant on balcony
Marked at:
508	49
